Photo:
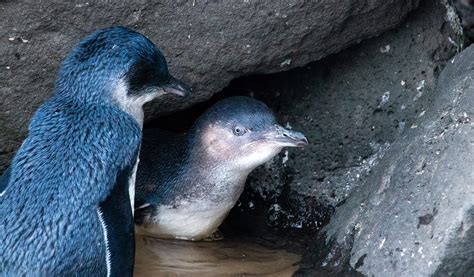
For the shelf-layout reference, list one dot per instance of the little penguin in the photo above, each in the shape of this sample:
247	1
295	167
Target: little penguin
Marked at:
187	184
66	200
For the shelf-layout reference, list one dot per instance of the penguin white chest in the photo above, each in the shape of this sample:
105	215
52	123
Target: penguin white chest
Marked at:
189	221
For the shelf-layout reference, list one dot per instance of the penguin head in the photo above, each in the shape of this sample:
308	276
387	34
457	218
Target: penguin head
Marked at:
119	66
242	133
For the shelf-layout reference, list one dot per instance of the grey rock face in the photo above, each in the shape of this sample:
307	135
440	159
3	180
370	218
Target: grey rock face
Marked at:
207	43
414	214
465	10
351	106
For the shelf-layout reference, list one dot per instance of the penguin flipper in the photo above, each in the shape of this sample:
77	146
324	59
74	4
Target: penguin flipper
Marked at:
115	214
143	212
161	155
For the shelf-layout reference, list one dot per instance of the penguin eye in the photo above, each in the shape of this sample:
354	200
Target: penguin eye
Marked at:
239	130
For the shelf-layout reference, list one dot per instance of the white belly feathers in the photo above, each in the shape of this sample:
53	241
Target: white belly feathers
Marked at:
189	221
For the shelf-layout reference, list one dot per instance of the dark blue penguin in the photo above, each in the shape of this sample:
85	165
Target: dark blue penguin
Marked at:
187	184
66	208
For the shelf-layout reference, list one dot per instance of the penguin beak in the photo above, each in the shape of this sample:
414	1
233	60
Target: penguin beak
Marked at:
283	137
175	86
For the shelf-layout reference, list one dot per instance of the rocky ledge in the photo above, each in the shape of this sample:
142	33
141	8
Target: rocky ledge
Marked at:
207	43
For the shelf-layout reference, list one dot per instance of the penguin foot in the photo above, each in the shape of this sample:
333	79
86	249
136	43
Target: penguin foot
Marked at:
216	235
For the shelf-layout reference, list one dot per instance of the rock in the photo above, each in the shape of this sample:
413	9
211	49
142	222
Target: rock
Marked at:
414	215
207	43
465	10
351	106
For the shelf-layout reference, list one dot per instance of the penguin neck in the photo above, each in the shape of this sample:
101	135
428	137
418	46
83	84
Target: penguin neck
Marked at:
207	168
132	106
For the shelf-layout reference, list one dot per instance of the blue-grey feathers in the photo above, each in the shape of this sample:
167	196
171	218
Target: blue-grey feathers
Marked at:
71	175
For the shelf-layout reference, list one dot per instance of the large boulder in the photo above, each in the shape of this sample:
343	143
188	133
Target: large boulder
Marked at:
207	43
351	106
414	215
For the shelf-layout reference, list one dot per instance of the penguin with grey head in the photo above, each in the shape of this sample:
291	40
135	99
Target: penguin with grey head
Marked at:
187	184
66	207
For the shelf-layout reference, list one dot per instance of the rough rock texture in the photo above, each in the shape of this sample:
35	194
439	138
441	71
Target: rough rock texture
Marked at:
414	215
207	43
465	10
351	106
